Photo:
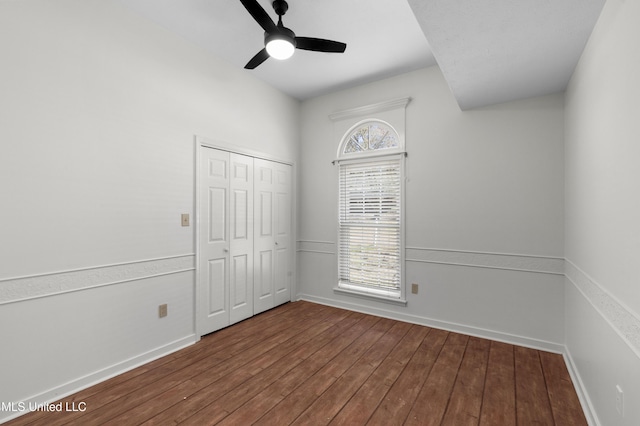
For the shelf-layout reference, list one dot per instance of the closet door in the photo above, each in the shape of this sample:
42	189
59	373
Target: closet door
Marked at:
241	238
263	237
213	241
226	239
272	241
245	237
282	233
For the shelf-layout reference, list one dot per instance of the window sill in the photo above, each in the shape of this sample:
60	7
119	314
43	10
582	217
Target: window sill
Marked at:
369	296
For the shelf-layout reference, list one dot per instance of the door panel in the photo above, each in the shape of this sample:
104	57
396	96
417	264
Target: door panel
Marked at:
240	214
217	167
239	283
217	274
263	241
265	275
273	236
214	245
216	214
281	270
266	172
266	214
282	234
241	231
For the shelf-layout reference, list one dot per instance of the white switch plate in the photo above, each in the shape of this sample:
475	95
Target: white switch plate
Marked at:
185	219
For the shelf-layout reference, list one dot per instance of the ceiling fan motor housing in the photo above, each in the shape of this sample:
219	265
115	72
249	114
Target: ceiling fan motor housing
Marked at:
280	6
283	33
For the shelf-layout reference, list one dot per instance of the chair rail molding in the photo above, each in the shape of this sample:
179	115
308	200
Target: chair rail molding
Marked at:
507	261
624	321
48	284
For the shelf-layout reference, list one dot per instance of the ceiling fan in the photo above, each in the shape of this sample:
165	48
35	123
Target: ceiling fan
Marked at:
280	42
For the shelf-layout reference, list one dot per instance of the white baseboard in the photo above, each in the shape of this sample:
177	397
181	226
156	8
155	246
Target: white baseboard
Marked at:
76	385
443	325
583	396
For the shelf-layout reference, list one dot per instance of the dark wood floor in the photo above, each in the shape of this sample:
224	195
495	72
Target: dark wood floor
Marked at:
309	364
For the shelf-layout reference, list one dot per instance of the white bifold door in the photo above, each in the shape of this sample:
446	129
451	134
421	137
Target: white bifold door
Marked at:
245	235
272	234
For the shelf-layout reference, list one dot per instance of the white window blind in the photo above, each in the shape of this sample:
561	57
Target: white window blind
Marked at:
370	228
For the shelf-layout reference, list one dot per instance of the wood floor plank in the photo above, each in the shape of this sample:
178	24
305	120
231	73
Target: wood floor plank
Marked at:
532	399
131	396
565	405
305	345
199	356
362	405
304	363
215	382
499	399
286	411
256	407
466	399
431	403
325	407
170	362
396	405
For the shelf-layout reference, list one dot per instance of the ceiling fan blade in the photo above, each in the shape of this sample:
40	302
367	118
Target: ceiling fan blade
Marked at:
259	14
259	58
320	45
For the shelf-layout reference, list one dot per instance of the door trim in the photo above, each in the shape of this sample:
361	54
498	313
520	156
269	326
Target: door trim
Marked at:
201	142
223	146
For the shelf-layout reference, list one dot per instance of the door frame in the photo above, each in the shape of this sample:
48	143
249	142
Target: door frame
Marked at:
201	143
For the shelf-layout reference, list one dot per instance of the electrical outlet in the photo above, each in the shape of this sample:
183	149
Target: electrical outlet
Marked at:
414	288
620	400
185	219
162	311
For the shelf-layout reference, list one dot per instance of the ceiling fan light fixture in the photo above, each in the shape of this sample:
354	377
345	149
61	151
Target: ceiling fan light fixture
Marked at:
280	46
280	49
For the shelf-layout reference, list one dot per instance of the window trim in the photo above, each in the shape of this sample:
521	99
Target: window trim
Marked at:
381	155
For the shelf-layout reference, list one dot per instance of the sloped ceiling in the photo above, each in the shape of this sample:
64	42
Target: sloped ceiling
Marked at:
493	51
490	51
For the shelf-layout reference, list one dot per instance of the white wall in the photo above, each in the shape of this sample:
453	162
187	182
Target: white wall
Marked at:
484	190
98	113
602	215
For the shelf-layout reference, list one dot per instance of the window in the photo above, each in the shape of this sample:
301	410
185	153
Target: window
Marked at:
370	136
370	211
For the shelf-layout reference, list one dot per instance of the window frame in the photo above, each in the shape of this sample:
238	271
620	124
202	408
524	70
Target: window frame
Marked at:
386	154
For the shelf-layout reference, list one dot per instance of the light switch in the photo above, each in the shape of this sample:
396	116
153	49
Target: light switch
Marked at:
414	288
185	219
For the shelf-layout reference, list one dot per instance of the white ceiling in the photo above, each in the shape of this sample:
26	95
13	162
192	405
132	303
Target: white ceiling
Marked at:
383	39
493	51
489	51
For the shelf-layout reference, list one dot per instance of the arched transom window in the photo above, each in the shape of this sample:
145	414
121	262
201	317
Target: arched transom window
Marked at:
368	136
371	136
